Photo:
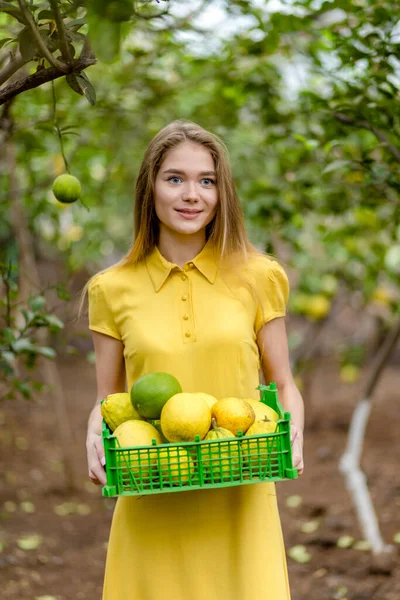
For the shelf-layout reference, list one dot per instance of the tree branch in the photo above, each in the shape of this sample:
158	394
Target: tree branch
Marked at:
44	76
365	125
65	51
16	62
38	38
350	460
381	359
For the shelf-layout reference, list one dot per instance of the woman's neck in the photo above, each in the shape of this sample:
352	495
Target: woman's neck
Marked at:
179	248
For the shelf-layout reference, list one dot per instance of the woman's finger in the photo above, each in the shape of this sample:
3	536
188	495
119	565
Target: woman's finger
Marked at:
98	444
97	475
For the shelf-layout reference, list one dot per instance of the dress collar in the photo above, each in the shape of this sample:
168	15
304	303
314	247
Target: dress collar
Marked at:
159	268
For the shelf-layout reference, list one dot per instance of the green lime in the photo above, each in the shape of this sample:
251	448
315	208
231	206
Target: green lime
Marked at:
67	188
150	392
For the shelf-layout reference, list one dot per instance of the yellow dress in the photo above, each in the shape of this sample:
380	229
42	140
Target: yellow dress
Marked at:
199	323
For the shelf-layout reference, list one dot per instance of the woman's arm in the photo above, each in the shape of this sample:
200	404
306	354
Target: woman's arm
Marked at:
110	376
273	345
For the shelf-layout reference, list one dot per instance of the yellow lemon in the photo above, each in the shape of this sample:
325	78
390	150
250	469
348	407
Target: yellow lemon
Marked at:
139	464
233	414
116	409
262	410
185	416
175	466
211	400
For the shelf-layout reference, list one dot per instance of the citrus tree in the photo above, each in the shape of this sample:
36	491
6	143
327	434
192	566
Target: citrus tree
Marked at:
305	97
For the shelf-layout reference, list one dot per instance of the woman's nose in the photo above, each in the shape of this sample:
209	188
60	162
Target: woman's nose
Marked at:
190	193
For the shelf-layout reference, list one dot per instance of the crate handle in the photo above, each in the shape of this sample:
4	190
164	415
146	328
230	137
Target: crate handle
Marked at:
269	396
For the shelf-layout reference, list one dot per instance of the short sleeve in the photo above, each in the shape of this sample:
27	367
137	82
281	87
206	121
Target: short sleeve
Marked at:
272	293
101	318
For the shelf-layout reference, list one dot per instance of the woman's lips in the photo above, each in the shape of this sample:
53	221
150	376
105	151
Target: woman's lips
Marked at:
189	214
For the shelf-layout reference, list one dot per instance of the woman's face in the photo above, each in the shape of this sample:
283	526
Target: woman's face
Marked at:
186	194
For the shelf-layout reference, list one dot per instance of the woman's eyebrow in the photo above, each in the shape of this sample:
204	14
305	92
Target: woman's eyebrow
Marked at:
179	172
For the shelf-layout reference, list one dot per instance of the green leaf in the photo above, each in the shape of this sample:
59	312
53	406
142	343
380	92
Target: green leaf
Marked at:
310	144
80	83
72	133
54	322
75	24
76	36
392	259
73	82
13	11
37	303
23	387
46	127
8	335
27	45
62	292
8	356
88	88
46	15
28	315
46	351
336	165
23	345
5	40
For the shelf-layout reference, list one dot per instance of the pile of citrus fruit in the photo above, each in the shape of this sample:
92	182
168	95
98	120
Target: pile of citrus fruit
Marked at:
157	413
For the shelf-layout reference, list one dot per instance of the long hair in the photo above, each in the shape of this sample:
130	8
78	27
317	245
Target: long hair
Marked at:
226	230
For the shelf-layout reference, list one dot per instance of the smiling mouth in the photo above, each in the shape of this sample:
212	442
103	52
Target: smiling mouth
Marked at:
188	211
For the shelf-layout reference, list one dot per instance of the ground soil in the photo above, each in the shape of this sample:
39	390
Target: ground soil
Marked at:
69	561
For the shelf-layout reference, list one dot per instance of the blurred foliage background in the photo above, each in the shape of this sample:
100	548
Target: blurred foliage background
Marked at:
305	93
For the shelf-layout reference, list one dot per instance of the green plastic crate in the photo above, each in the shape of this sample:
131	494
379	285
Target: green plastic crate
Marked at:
201	464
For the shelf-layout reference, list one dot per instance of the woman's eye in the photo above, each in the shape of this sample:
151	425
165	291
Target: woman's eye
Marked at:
207	181
174	179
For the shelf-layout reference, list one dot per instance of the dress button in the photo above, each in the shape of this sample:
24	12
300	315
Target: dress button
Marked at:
185	317
183	277
187	333
190	265
184	298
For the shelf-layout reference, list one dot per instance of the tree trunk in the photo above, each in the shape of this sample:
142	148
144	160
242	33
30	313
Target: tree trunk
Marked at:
350	462
29	283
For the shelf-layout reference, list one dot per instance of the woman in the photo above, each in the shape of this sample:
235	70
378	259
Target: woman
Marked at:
192	298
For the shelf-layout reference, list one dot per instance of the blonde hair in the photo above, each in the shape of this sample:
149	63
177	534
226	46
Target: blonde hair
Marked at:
226	230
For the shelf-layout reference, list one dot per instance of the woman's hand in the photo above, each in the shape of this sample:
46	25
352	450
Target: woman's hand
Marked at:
296	437
273	345
110	375
96	460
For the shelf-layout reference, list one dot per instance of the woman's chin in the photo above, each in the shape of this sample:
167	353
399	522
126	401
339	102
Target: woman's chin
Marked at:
187	228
